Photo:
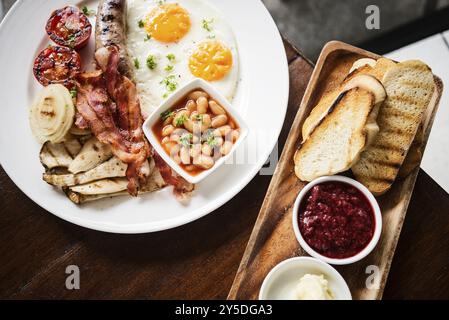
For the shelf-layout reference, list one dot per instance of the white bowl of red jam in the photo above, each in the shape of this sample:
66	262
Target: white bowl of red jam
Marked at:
337	220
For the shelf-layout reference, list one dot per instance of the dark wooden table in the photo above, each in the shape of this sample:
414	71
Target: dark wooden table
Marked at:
199	260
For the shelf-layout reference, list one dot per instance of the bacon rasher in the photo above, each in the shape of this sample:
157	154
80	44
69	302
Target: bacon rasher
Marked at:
181	188
108	102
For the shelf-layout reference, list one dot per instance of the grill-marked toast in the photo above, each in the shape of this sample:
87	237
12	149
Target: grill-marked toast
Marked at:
409	86
335	144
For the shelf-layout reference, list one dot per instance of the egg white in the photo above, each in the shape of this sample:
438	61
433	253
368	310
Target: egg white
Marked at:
152	92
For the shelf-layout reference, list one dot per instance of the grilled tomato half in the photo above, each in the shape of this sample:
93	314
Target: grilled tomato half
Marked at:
69	27
57	65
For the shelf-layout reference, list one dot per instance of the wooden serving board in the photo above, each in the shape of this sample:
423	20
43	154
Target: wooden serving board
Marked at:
273	239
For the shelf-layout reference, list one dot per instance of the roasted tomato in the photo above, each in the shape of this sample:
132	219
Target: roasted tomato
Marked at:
69	27
57	65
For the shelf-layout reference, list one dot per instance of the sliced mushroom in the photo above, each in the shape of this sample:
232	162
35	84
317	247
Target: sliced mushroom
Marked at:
110	169
100	187
93	153
154	182
54	155
73	147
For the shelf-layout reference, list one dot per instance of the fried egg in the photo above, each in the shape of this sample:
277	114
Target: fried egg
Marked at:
172	42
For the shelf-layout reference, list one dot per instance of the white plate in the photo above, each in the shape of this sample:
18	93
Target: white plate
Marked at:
261	99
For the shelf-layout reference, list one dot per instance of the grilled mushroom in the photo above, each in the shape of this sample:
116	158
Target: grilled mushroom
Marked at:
93	153
54	155
154	182
101	187
110	169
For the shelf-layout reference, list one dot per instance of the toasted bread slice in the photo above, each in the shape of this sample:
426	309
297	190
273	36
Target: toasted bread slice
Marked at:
383	65
363	62
326	102
410	86
337	141
319	112
365	66
378	70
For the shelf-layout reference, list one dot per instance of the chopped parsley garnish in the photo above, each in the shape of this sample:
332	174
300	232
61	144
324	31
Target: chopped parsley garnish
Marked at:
74	93
211	140
198	117
71	40
148	38
180	120
151	62
185	140
87	11
171	57
170	84
166	114
140	23
136	63
207	24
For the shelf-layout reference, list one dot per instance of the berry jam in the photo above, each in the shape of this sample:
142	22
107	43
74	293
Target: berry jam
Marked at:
336	220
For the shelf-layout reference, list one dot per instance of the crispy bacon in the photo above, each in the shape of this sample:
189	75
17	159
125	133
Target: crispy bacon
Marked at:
80	122
107	101
181	188
118	88
93	104
115	121
124	93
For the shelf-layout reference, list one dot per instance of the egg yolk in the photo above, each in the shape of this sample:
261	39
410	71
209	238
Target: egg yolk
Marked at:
211	61
167	23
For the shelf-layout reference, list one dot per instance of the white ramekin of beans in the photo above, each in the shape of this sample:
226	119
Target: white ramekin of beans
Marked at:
195	130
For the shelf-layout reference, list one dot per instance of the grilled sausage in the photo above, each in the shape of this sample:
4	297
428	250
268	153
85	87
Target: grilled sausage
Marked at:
111	30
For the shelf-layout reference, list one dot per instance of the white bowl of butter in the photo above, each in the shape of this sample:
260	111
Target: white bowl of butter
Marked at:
304	278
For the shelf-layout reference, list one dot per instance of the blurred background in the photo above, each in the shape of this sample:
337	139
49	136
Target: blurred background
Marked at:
309	24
